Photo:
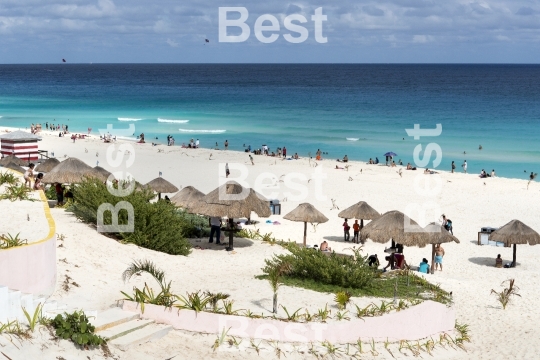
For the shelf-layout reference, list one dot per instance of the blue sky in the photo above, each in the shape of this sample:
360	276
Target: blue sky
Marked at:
384	31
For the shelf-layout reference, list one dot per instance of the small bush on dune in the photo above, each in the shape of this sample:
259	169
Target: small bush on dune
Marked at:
332	269
158	226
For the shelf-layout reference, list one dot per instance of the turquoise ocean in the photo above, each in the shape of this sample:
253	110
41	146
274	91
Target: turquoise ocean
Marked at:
358	110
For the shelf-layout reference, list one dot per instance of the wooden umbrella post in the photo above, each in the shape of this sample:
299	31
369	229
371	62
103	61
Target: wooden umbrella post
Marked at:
231	235
305	232
514	257
432	258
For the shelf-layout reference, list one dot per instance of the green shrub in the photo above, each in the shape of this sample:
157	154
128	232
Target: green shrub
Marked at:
50	193
77	328
158	226
8	178
331	269
17	192
9	241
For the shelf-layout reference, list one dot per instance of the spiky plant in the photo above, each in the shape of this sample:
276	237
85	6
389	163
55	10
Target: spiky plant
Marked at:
275	274
342	298
165	297
504	295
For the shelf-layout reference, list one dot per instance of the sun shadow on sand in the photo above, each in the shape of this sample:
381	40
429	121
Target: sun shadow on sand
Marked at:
203	243
487	261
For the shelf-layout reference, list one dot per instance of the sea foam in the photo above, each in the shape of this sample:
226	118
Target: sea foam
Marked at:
172	121
202	131
128	119
353	139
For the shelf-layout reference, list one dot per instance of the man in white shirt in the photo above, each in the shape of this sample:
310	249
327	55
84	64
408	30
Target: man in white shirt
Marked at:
197	144
464	166
215	227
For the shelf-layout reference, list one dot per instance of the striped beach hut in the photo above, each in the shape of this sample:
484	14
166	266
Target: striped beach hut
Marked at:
22	144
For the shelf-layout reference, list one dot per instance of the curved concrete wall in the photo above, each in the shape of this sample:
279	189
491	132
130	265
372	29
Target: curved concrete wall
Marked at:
32	268
417	322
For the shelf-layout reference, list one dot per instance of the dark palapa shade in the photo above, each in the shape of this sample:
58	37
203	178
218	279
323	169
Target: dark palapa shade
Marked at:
15	167
360	210
12	159
515	232
438	235
47	165
71	171
160	185
306	213
102	171
187	197
231	200
392	225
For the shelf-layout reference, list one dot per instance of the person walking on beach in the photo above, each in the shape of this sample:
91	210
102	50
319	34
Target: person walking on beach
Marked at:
356	228
226	145
439	253
464	165
59	194
251	159
453	167
284	152
227	172
215	228
346	233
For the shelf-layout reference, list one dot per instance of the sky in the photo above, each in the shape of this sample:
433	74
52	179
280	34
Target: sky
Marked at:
165	31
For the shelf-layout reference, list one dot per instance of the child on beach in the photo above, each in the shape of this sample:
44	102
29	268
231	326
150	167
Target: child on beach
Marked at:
29	175
38	185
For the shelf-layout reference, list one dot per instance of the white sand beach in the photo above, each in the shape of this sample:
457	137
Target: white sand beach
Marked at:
95	262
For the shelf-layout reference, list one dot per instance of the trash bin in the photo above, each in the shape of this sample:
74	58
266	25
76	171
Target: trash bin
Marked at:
275	207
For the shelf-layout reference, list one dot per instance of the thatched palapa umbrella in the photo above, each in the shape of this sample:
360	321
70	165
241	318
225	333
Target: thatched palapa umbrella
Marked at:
438	235
12	159
187	197
15	167
361	210
102	171
306	213
160	185
396	226
515	232
71	171
231	200
47	165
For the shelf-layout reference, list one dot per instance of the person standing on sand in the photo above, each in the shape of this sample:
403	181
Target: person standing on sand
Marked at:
453	167
251	159
439	253
346	233
493	173
284	152
227	172
356	228
215	227
226	145
464	165
29	176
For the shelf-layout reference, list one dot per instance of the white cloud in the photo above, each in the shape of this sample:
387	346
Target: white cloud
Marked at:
172	43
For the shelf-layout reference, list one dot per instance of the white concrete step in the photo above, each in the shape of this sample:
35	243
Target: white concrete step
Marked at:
124	329
141	336
4	304
14	304
112	317
90	314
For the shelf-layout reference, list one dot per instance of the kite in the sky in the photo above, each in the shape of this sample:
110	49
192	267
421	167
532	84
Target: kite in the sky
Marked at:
63	60
206	41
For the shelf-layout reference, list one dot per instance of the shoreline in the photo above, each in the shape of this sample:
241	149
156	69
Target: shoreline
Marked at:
173	148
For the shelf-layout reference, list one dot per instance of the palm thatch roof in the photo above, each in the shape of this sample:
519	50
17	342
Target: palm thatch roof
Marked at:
187	197
231	200
306	213
19	135
47	165
71	171
12	159
515	232
102	171
15	167
396	226
160	185
439	235
360	210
